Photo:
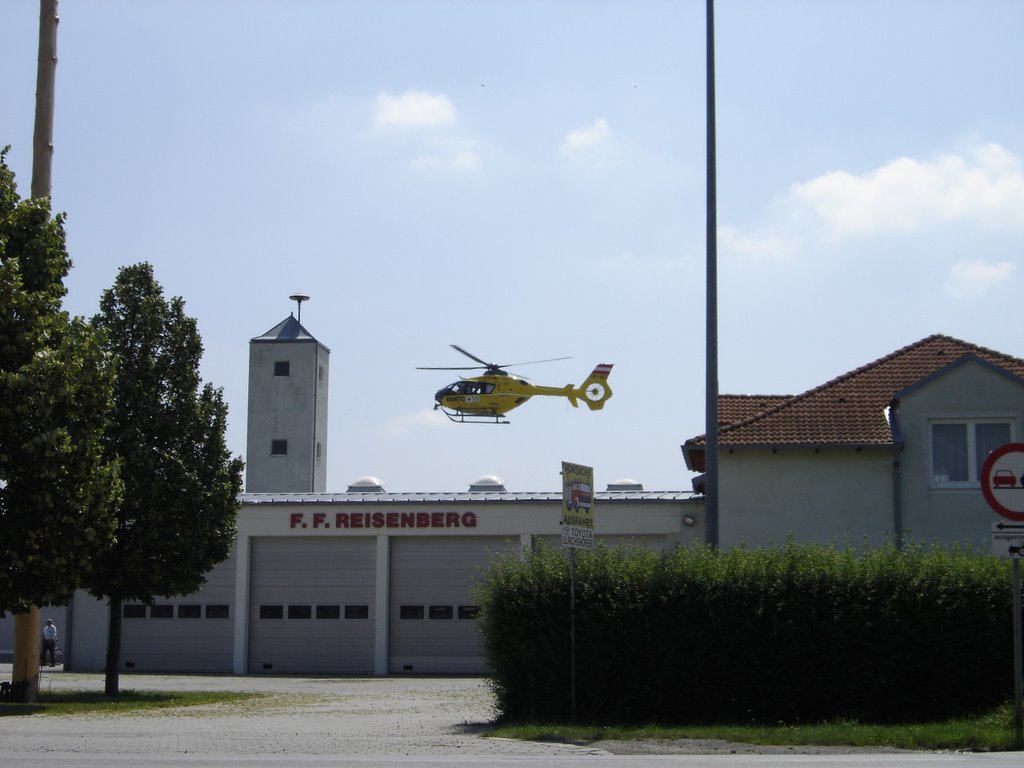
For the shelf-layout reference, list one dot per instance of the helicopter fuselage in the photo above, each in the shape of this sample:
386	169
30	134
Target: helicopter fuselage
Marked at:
489	397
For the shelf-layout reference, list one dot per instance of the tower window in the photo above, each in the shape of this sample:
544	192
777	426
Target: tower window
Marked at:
278	447
282	368
320	373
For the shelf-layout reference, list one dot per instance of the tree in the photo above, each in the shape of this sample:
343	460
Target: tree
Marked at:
56	488
181	485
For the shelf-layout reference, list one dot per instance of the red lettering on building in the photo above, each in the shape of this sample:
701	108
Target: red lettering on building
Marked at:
350	520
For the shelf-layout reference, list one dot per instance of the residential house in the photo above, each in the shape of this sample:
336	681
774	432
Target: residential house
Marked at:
890	450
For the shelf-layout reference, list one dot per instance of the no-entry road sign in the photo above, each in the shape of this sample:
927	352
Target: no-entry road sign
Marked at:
1002	480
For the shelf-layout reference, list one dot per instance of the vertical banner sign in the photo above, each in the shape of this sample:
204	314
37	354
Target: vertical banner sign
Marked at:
577	506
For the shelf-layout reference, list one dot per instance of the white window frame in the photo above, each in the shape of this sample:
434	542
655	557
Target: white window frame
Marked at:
973	469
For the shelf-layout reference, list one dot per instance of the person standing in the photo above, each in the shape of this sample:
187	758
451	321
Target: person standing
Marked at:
50	642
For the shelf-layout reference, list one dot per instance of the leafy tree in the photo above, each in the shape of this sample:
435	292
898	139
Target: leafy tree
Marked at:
56	489
177	519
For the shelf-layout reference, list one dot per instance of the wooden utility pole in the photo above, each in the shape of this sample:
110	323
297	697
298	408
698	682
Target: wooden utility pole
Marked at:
25	674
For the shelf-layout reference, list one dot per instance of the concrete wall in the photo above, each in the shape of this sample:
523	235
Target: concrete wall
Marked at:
826	496
292	408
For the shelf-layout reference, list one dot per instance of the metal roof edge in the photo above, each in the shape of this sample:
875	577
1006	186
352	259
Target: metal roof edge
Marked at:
464	497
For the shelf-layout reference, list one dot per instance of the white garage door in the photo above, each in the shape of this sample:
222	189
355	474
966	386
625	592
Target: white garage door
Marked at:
432	603
194	633
312	605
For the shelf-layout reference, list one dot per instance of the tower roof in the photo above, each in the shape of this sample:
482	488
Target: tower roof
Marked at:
288	329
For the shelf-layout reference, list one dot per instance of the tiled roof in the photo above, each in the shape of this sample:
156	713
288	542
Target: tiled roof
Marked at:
734	408
848	410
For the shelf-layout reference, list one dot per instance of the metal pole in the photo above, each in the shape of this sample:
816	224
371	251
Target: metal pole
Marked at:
572	632
1018	678
711	366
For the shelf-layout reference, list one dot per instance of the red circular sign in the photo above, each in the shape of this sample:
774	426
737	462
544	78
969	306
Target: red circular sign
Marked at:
1002	480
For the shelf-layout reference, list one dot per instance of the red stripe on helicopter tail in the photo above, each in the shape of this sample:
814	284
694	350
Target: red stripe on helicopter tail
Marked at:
602	370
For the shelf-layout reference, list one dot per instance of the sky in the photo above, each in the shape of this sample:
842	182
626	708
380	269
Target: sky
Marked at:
526	180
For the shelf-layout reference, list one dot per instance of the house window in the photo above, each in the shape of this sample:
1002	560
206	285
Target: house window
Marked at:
278	447
959	449
282	368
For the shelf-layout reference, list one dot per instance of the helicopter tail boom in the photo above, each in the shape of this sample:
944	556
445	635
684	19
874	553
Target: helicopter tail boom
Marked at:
595	390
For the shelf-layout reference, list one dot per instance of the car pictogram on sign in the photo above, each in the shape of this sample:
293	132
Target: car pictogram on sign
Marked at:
1003	478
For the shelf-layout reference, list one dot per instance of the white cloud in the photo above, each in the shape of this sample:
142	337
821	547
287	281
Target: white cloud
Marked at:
761	246
459	160
413	109
410	422
466	161
585	144
985	186
973	279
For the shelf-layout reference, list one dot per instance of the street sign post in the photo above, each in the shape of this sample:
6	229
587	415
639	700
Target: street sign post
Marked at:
577	533
1002	483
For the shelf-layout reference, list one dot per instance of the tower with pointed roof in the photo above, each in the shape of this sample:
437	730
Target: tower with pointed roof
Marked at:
286	445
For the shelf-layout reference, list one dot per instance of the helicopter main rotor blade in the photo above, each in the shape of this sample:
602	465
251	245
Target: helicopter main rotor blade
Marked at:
493	366
533	362
452	368
484	363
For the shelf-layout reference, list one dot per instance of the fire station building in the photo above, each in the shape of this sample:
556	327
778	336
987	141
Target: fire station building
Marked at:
362	582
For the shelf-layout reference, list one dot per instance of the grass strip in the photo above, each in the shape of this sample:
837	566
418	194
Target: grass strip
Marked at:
989	732
128	701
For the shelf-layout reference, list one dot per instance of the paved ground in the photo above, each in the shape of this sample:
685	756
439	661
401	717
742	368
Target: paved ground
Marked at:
366	722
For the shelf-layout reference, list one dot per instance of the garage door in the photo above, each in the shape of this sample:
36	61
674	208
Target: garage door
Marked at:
433	610
194	633
312	605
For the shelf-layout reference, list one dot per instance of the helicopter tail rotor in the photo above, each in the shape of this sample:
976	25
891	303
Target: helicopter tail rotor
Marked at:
595	390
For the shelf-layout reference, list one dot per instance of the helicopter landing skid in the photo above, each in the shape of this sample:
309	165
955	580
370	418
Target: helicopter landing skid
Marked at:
460	417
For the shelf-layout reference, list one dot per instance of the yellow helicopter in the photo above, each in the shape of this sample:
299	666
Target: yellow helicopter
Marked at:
485	399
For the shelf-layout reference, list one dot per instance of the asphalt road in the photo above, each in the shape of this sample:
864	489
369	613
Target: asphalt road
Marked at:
363	723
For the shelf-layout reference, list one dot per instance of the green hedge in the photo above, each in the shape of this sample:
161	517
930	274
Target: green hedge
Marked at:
798	633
